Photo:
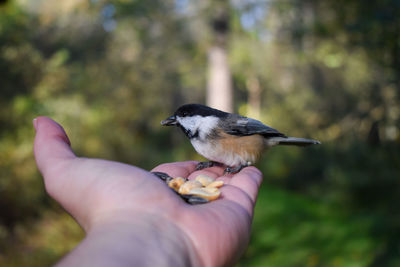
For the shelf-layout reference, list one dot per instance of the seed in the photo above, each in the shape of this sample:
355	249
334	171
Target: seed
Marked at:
204	179
216	184
163	176
199	191
211	193
197	200
189	185
176	183
194	199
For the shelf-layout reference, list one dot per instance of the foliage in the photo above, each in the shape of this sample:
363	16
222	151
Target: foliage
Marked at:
110	71
327	207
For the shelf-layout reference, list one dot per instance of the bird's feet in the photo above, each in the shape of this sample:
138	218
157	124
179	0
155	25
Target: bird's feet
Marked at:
207	164
233	170
229	170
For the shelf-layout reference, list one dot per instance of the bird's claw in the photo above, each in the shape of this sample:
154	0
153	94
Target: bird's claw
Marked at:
229	170
206	164
233	170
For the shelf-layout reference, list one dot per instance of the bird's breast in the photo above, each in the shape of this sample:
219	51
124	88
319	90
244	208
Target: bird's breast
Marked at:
231	150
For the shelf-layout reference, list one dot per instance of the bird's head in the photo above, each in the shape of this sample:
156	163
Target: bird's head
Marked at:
196	121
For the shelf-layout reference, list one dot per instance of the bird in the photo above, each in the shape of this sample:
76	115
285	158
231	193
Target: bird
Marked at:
228	139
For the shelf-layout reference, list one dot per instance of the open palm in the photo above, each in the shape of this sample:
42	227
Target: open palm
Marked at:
96	192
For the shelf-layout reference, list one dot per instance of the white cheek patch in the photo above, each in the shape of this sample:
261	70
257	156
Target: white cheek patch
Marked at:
190	123
204	125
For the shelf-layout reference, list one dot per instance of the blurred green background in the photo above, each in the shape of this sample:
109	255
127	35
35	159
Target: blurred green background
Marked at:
110	71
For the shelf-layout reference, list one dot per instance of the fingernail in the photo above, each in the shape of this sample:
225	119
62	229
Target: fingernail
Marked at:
35	123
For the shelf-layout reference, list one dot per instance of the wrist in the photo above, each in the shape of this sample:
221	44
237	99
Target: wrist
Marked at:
136	240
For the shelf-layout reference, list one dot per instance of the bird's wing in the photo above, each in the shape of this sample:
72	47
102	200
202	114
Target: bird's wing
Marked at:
243	126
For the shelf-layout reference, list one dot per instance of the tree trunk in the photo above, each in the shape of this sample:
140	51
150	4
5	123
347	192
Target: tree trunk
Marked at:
219	87
254	99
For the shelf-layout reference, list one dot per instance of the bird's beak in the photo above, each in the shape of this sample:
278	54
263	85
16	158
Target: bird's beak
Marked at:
169	121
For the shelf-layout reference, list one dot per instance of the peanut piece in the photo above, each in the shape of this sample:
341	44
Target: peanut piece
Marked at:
204	179
211	190
207	193
176	183
189	185
216	184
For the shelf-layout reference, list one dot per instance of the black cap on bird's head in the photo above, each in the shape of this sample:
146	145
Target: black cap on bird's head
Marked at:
191	110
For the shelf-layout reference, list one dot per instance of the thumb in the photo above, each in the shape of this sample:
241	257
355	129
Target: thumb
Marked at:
51	146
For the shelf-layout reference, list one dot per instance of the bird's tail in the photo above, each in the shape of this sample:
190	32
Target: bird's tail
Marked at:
291	141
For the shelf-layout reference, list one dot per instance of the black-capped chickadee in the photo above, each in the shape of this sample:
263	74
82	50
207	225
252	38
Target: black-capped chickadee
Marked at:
230	139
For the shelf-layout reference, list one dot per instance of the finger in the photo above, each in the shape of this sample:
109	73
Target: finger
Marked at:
51	145
213	172
236	195
249	180
175	169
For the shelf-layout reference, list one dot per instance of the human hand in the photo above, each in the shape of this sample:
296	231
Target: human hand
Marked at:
130	216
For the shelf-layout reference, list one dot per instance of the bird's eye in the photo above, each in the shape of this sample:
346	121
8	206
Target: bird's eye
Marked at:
184	114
